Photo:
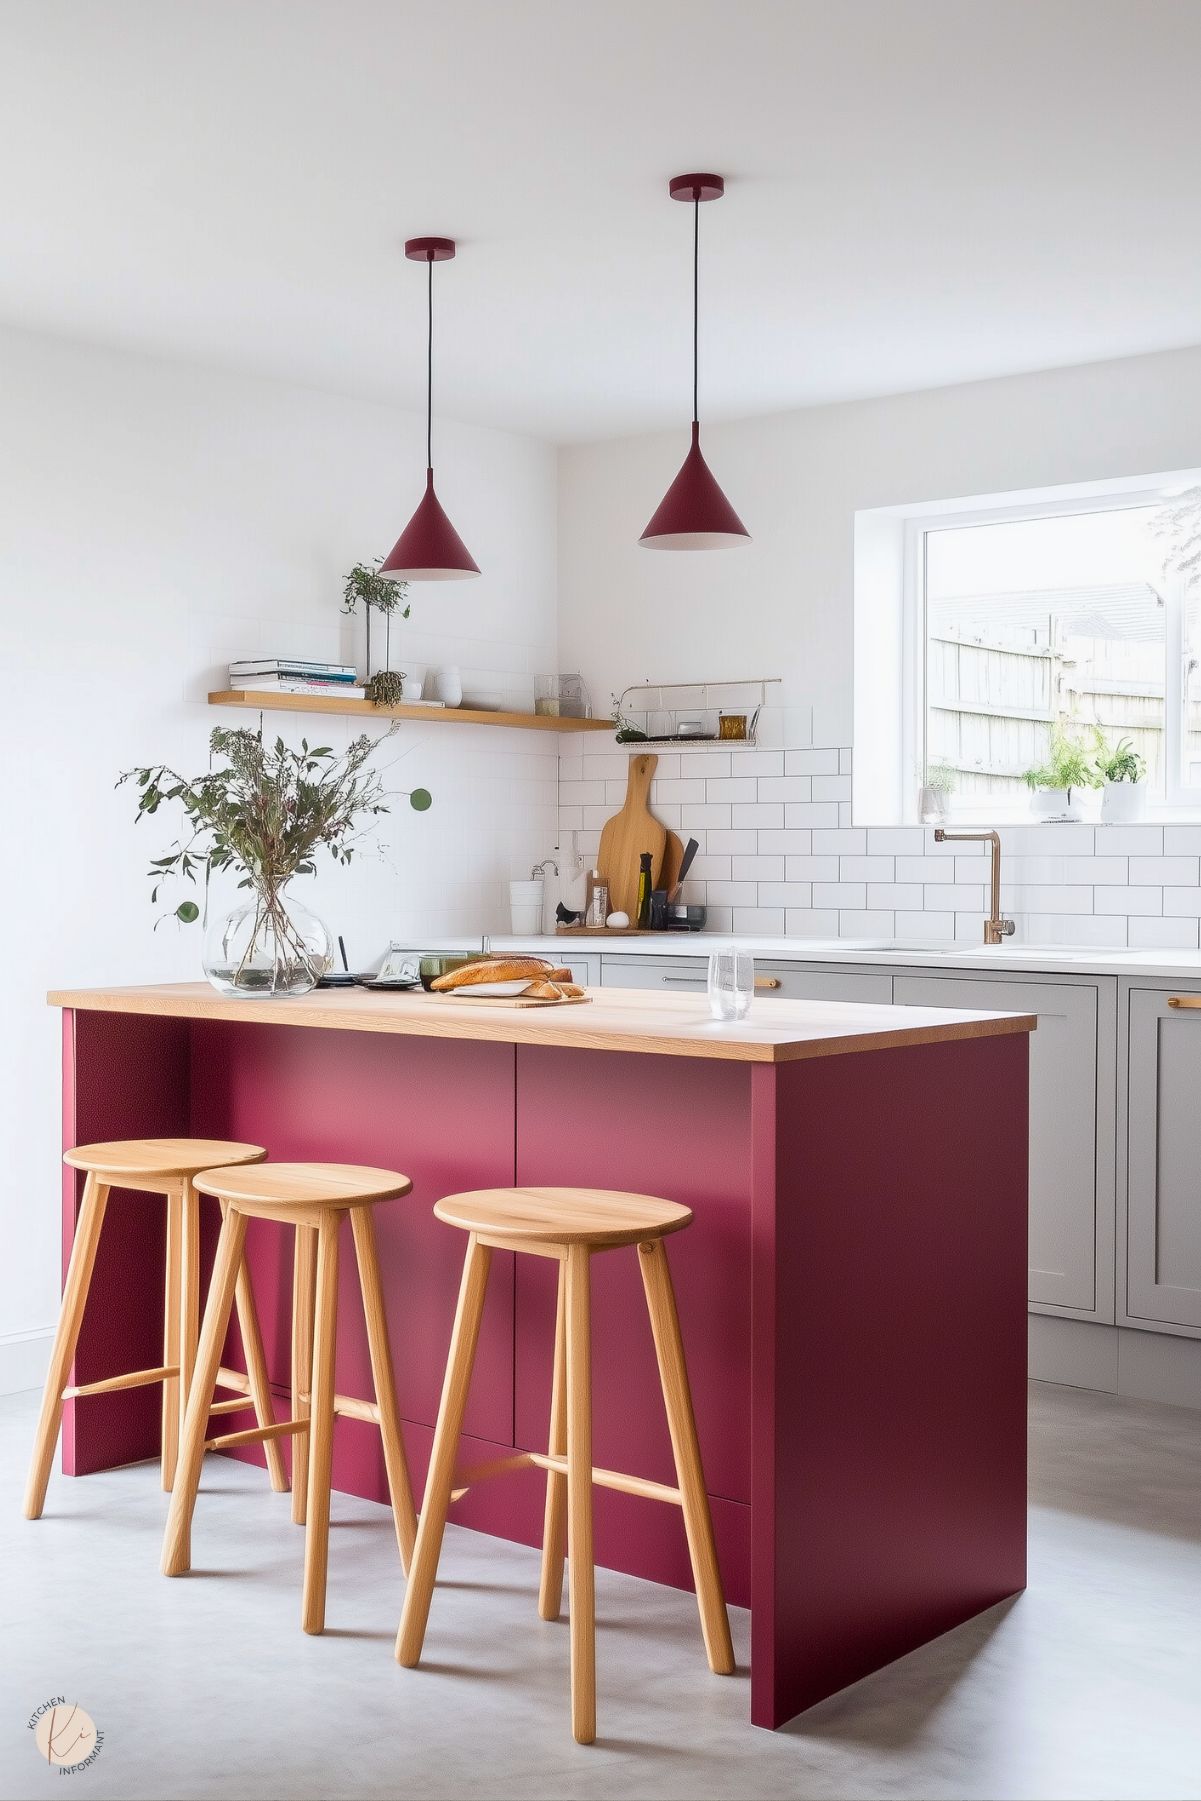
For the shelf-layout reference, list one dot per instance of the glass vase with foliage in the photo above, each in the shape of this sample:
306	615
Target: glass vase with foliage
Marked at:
378	593
264	812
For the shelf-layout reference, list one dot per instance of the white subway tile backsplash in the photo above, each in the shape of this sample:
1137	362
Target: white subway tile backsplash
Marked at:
1181	903
865	925
832	787
767	921
893	841
866	869
811	869
785	894
758	869
793	787
849	839
743	842
762	814
840	894
1127	840
778	853
811	923
811	762
892	895
735	787
1164	872
1128	900
1162	934
1182	840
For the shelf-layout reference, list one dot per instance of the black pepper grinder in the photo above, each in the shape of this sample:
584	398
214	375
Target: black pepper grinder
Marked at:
642	918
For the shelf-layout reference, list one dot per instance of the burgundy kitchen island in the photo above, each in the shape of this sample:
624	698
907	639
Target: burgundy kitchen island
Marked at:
852	1291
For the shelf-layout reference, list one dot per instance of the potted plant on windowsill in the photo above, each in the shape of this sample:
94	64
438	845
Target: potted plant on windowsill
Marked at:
938	782
1055	785
1123	773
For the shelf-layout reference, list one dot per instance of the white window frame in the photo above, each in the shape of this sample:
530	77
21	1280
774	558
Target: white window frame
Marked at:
1180	799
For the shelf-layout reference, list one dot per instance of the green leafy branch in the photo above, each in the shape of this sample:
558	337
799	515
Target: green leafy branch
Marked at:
265	812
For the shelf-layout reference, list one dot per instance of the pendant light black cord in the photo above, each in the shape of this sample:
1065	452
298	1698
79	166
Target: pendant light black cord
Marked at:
429	370
696	266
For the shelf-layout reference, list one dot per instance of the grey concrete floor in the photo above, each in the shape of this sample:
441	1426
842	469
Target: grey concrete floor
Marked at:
1089	1685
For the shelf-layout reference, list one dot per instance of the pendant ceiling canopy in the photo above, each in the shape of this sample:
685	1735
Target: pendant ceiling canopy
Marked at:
429	549
694	514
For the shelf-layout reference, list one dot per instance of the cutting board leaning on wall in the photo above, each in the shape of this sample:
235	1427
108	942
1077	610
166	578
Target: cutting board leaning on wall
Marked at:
627	835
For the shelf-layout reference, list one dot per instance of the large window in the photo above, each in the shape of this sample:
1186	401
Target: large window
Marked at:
1076	618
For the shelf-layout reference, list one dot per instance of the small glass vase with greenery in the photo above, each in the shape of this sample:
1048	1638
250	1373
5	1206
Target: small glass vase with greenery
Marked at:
378	594
937	783
264	812
1124	774
1066	769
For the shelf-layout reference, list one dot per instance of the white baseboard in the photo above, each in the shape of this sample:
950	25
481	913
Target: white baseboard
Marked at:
23	1360
1121	1360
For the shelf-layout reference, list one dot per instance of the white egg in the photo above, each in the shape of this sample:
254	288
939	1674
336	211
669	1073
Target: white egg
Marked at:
617	920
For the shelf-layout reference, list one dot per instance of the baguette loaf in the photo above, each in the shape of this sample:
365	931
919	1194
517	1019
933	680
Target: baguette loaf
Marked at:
492	969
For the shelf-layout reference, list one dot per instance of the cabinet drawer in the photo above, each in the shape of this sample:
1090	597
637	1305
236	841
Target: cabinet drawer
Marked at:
681	973
779	981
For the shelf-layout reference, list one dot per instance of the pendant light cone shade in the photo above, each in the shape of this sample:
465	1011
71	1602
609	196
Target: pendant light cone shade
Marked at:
429	549
694	514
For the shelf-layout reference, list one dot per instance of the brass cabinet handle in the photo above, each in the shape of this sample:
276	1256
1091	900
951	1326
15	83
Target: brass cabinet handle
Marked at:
767	981
1184	1000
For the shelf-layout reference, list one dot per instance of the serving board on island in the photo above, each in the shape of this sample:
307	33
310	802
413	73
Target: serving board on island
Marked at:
852	1290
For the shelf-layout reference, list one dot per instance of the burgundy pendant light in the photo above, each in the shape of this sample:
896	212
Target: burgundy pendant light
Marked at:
429	549
694	514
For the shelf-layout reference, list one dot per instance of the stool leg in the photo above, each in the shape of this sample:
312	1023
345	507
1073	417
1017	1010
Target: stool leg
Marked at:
432	1521
554	1522
677	1399
581	1575
177	1548
66	1337
173	1388
256	1370
321	1427
189	1294
383	1378
304	1295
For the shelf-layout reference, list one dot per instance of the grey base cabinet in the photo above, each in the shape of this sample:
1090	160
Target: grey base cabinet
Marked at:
1071	1126
1163	1162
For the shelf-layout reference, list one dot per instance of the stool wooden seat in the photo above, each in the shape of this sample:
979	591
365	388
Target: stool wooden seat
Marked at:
166	1166
568	1224
312	1198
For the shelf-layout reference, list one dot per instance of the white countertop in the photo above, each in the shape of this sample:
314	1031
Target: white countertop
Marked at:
1014	956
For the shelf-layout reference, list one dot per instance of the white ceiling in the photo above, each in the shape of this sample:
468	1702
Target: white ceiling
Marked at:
920	192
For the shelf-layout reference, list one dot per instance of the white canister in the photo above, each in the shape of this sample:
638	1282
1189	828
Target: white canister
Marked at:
525	905
448	686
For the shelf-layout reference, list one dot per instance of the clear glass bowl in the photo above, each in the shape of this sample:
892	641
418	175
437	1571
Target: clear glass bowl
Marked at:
271	944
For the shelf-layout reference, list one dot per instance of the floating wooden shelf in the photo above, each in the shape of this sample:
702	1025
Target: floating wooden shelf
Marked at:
267	702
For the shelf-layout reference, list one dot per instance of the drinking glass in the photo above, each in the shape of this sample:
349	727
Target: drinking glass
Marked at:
731	983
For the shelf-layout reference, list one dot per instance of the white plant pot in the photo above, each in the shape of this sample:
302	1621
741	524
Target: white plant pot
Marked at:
1123	802
448	686
932	805
1054	803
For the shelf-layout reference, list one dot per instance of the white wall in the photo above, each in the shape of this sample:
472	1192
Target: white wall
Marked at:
155	521
783	604
778	852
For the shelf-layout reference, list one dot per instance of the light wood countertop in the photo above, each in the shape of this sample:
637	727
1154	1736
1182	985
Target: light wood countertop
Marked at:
616	1019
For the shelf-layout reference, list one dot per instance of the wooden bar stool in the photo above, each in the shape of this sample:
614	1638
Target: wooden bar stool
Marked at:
166	1166
312	1198
568	1224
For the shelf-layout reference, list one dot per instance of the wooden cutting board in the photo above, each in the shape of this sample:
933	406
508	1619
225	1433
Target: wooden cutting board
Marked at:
627	835
513	1000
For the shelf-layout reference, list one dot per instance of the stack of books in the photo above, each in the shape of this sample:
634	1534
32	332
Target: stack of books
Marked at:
292	675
